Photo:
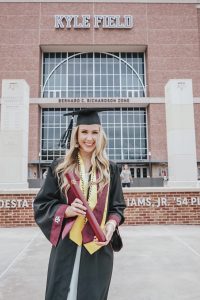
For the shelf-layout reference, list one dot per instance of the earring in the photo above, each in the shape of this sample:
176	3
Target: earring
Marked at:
77	145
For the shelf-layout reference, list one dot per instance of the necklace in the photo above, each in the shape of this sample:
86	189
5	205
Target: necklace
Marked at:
86	184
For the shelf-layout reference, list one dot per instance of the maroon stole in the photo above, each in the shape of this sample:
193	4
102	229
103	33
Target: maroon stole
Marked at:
87	232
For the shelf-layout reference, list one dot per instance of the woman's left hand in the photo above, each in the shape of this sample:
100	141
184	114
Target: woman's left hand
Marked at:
108	231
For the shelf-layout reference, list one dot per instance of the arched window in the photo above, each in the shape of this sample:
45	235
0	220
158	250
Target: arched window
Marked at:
74	75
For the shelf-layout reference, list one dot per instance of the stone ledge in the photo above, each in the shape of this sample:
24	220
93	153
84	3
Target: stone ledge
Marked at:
160	189
19	191
125	190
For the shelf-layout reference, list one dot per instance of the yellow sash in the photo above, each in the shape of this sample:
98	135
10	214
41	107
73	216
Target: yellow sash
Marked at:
76	230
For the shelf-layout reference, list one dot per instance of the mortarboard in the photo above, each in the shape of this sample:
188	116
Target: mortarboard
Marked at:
88	116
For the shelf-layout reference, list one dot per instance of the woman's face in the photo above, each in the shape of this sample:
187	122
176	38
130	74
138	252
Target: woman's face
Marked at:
87	138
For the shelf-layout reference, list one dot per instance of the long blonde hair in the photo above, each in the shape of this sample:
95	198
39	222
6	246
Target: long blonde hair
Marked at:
99	160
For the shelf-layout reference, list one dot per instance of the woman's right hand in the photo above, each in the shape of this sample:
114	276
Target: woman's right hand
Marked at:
75	209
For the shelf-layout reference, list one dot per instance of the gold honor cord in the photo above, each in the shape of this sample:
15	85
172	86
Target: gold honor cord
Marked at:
76	230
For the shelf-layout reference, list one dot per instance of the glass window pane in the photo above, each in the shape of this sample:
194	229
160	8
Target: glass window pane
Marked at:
97	75
112	66
125	147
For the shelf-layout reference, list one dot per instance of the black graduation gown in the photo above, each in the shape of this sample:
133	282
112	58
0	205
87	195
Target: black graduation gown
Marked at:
95	270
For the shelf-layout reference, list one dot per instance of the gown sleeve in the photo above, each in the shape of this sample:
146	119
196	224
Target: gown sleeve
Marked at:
49	207
116	198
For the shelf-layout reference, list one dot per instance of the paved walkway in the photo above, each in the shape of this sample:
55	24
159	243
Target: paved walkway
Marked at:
156	263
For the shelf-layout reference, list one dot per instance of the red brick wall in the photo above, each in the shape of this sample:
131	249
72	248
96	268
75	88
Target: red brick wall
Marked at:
170	32
19	51
178	208
172	213
16	216
172	37
157	132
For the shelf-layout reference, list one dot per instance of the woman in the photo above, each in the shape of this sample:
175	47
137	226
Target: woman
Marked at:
80	266
126	176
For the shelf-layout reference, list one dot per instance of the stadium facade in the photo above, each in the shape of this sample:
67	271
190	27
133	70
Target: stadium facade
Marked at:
76	54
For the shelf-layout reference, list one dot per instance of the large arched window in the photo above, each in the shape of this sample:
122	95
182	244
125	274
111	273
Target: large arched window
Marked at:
73	75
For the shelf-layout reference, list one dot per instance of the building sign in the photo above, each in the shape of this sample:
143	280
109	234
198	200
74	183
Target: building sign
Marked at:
163	201
15	203
98	21
94	100
136	201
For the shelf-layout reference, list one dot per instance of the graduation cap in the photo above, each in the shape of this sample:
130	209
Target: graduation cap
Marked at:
88	116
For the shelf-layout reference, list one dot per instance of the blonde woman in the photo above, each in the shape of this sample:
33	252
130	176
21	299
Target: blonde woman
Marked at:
80	267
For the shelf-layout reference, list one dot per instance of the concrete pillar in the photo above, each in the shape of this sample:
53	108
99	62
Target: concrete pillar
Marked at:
14	134
181	144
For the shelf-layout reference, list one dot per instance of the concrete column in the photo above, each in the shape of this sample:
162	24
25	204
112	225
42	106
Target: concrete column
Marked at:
14	134
181	144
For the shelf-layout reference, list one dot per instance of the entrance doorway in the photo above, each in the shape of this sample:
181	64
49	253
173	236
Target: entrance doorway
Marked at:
139	171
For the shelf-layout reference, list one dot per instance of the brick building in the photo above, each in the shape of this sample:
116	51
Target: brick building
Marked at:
103	54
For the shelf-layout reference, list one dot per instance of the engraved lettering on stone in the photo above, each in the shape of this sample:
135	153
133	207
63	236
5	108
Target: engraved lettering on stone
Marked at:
181	85
12	85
